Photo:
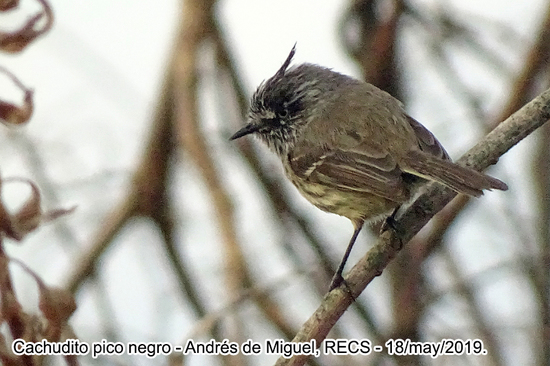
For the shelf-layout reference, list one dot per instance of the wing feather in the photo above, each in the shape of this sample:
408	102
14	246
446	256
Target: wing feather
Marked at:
352	171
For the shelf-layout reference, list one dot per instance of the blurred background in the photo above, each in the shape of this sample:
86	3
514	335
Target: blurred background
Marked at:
180	234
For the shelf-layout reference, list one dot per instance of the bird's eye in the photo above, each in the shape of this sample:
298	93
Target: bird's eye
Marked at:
294	108
270	122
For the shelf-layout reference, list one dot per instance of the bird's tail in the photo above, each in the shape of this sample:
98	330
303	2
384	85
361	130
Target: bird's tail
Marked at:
458	178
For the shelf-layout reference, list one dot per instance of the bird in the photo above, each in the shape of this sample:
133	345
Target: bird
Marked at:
349	147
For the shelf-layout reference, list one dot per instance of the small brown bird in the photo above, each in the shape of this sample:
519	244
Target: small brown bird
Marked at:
349	147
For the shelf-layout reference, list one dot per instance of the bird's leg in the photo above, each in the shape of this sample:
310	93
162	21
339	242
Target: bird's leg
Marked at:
337	279
390	222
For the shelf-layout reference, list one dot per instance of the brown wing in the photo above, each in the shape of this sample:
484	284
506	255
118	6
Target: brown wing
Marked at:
351	170
433	163
427	141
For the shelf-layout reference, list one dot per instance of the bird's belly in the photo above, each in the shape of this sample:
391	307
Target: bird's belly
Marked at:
356	206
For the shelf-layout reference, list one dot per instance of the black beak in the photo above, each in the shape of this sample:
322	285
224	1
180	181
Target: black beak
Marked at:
249	128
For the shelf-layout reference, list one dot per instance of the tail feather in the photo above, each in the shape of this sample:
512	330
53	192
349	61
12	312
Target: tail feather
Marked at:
458	178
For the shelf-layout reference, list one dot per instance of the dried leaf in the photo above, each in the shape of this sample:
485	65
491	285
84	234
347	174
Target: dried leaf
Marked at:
16	41
6	226
56	304
8	4
6	356
11	309
6	223
29	216
16	115
11	113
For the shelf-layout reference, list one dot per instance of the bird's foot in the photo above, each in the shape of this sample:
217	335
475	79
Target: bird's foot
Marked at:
391	224
337	281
